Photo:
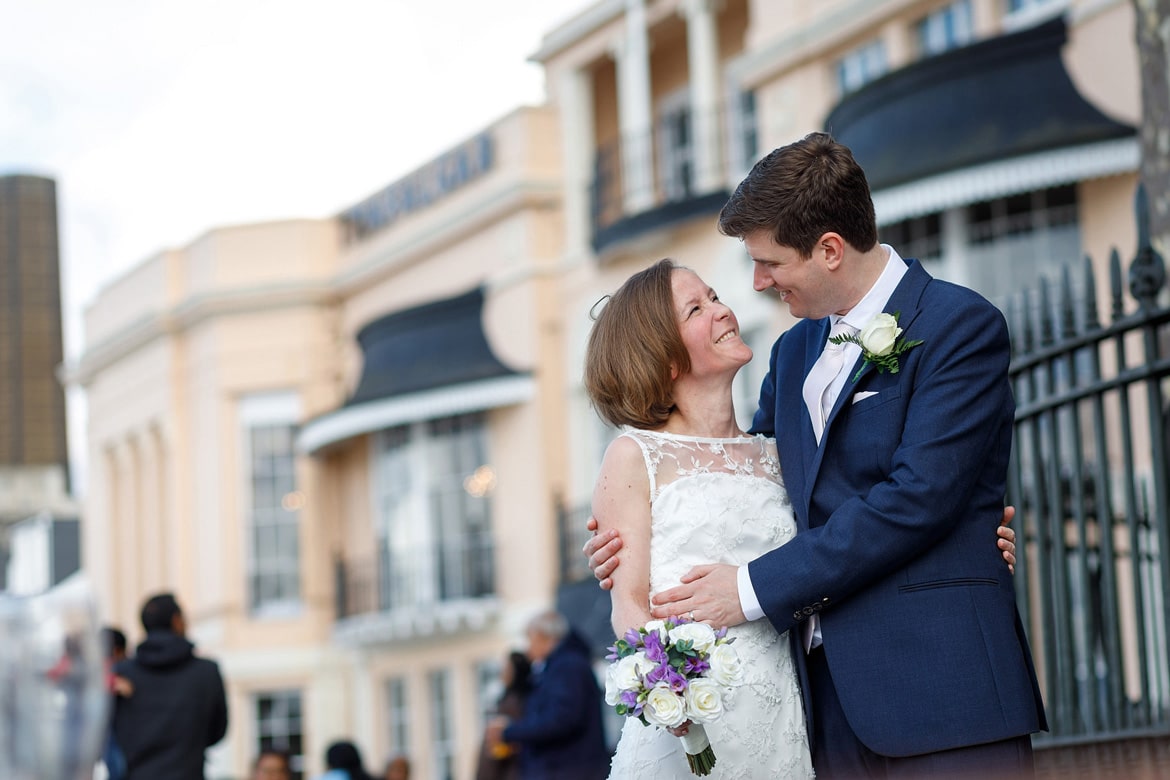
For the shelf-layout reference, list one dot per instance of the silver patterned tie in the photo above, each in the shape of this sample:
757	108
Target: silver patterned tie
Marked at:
820	378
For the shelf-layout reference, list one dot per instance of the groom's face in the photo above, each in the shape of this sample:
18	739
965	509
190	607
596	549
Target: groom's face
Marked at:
804	283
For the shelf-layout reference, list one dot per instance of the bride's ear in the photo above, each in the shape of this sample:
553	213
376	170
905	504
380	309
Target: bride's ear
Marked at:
673	371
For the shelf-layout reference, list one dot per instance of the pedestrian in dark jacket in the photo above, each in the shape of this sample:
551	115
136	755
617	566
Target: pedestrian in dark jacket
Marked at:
560	733
178	708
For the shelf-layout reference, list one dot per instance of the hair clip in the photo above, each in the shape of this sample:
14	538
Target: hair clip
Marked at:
593	309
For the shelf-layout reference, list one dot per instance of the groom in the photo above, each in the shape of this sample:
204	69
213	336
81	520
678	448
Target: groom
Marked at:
894	450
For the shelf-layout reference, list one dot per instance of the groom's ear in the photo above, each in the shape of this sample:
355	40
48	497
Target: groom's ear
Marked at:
832	248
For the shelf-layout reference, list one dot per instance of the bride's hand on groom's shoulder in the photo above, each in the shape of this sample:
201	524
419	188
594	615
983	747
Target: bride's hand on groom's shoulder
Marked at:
708	594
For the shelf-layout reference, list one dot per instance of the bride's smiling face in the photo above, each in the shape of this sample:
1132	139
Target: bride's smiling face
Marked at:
708	328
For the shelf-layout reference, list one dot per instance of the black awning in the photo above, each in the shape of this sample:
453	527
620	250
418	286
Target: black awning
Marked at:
995	99
434	345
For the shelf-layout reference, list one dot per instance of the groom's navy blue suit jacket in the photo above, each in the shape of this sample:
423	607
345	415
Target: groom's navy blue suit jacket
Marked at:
897	510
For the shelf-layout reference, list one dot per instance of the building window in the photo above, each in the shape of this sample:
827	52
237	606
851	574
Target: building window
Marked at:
1023	6
273	503
1018	14
947	28
1013	241
278	726
398	716
742	132
433	486
919	237
861	66
442	725
676	150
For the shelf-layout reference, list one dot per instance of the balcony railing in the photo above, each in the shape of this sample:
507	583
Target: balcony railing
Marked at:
678	170
408	578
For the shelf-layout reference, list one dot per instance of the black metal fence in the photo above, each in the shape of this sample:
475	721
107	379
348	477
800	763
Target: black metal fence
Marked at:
1089	479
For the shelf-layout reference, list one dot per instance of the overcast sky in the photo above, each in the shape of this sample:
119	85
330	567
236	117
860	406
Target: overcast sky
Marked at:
160	119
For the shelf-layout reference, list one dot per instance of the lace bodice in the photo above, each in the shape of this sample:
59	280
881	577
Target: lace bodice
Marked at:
722	501
712	501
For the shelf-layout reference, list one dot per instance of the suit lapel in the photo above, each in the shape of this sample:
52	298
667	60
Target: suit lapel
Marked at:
795	442
905	300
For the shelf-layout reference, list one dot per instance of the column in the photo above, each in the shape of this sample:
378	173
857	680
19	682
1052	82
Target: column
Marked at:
128	534
703	63
151	520
634	111
578	141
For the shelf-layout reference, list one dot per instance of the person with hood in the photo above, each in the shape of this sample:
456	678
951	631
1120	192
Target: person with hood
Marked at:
343	761
178	708
560	733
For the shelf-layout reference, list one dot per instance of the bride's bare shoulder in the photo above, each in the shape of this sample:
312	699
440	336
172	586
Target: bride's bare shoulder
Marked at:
623	455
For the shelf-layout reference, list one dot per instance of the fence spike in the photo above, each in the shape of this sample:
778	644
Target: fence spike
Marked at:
1092	320
1068	321
1047	327
1117	309
1010	314
1147	272
1027	321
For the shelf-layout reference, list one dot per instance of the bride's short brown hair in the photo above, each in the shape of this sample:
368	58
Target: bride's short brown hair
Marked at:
634	344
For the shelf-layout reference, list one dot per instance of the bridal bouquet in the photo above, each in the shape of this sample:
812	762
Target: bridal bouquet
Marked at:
671	671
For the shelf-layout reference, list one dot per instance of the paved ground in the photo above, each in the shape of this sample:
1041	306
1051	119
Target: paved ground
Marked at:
1135	759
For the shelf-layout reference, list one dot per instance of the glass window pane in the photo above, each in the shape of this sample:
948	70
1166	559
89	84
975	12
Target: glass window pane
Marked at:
275	548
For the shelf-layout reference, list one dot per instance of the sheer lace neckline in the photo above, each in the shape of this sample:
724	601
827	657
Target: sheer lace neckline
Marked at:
689	437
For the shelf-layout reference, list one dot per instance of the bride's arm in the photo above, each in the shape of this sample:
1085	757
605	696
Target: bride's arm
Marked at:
621	501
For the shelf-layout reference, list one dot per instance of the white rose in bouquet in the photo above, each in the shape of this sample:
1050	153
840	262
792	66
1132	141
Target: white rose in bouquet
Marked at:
624	675
701	636
726	667
657	626
664	707
704	700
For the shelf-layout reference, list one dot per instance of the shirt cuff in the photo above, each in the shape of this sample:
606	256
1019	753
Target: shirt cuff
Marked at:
747	595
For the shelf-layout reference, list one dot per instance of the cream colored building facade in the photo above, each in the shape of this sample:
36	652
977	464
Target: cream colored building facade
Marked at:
343	443
234	467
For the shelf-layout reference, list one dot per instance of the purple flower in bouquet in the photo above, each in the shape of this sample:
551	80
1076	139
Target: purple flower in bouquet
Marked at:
665	673
654	648
631	701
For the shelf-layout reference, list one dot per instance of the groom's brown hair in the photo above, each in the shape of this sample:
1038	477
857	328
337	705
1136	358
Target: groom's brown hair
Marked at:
801	191
633	346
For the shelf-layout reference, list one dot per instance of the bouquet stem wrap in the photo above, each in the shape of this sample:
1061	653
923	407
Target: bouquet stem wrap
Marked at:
700	756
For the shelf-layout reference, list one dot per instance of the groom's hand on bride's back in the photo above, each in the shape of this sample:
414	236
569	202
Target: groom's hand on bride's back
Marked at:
601	550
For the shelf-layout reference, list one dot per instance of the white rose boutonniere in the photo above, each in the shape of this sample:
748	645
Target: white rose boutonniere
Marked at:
879	342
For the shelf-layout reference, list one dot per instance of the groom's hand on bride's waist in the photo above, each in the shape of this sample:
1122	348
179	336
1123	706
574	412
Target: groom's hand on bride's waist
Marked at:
708	594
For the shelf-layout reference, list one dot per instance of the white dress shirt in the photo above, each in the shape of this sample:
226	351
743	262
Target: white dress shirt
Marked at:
859	316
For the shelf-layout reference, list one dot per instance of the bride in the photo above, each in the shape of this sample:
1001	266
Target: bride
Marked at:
683	486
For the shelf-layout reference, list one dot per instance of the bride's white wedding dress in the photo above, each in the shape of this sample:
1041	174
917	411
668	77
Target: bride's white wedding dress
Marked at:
722	501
